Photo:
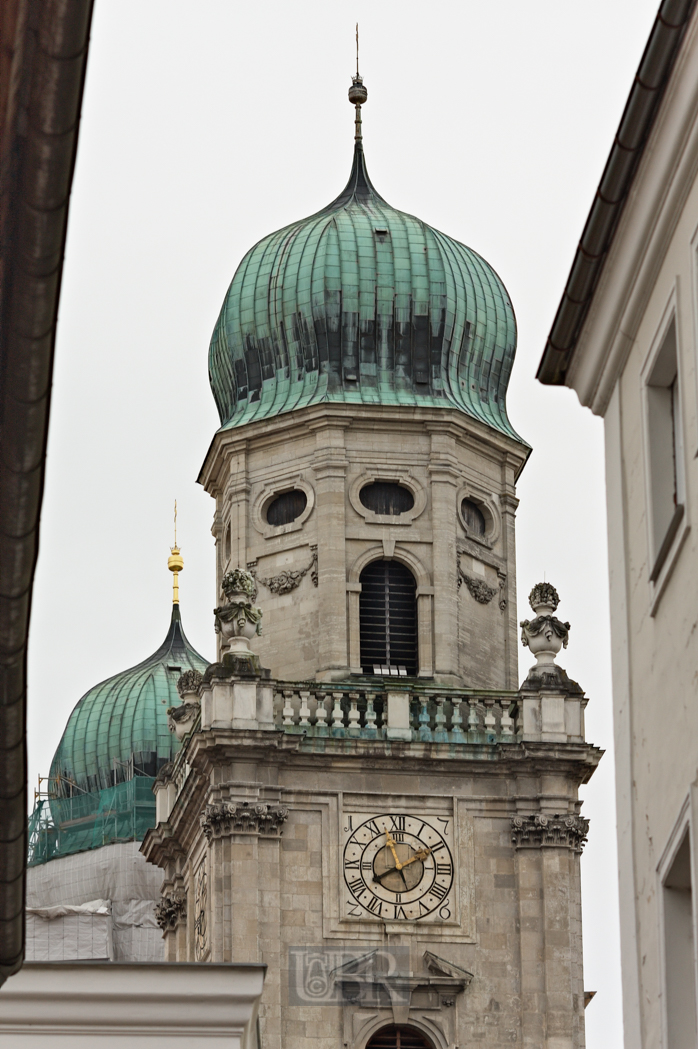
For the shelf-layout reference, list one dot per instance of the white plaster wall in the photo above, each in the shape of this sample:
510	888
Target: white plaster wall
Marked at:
651	268
107	1005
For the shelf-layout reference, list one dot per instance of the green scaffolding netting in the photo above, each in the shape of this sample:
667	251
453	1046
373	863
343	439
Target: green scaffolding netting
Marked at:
62	826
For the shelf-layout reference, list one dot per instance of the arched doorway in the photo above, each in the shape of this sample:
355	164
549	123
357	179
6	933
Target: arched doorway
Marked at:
388	619
399	1038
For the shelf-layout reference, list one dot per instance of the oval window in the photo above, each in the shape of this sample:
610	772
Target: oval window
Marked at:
386	498
473	517
286	507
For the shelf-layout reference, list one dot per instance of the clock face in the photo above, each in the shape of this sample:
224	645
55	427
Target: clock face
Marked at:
398	867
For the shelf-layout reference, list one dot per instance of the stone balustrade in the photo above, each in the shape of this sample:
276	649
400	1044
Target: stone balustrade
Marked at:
425	716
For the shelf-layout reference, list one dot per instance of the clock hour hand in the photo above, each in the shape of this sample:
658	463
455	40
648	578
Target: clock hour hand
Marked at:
421	855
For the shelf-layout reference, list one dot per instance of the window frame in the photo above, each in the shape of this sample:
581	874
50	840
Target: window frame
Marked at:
663	551
684	825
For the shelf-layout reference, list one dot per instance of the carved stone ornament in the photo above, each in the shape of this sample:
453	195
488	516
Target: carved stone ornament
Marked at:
181	719
545	635
289	579
237	617
201	912
502	590
224	818
189	682
541	831
544	594
239	582
477	587
171	909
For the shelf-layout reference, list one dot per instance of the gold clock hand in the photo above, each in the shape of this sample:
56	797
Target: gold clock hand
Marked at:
391	844
421	855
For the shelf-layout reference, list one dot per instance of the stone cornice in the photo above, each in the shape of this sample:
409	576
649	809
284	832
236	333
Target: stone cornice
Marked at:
292	426
540	830
161	846
219	747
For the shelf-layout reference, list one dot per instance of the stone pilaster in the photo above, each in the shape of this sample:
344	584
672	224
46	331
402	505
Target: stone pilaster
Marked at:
444	478
330	465
507	506
552	991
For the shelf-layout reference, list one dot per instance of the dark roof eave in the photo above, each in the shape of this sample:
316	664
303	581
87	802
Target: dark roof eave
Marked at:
633	132
42	76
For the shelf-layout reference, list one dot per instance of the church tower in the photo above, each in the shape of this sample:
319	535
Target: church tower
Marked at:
364	798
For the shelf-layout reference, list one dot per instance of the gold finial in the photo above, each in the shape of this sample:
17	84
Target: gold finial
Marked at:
175	562
357	92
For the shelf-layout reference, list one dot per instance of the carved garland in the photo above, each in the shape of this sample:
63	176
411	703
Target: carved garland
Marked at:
479	589
540	831
289	579
226	817
171	909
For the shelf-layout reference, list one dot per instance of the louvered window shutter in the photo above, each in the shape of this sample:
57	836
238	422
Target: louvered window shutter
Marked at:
398	1038
388	618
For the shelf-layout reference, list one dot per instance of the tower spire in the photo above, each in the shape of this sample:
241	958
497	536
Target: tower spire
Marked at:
357	94
175	562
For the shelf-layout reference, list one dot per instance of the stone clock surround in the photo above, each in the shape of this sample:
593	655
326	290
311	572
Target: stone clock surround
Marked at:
330	451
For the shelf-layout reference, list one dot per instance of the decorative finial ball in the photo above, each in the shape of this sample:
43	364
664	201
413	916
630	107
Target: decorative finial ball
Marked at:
357	92
175	561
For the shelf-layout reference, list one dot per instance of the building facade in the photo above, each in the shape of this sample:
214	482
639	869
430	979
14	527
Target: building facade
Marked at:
365	799
625	340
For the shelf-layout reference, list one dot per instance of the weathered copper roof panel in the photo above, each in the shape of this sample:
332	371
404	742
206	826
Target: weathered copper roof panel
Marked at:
363	304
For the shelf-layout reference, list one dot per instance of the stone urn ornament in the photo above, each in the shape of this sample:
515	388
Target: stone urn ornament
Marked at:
238	620
180	719
545	635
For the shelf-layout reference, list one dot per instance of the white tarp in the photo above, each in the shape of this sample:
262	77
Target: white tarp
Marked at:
118	874
70	933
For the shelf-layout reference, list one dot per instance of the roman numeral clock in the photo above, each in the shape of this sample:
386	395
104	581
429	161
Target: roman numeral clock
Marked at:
398	867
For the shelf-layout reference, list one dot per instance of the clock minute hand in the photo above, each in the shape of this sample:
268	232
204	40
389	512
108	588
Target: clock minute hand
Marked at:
391	844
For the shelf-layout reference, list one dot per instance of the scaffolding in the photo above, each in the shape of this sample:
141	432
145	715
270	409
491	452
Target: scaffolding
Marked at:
67	819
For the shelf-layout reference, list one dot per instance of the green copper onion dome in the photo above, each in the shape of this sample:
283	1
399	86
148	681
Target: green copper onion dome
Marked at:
125	718
362	304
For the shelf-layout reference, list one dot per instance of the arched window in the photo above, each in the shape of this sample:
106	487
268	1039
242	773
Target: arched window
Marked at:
398	1038
388	619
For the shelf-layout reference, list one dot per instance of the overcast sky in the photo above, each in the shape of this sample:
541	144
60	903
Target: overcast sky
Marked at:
206	126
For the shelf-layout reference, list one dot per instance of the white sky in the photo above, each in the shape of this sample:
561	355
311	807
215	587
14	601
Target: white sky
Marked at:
205	127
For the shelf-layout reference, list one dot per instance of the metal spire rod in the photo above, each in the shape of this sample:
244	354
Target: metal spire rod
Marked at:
175	562
357	92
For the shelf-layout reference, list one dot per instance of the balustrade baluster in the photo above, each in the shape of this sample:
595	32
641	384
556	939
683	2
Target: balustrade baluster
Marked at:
304	720
506	729
473	722
288	710
354	716
337	716
320	715
370	731
490	720
424	723
440	733
457	722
